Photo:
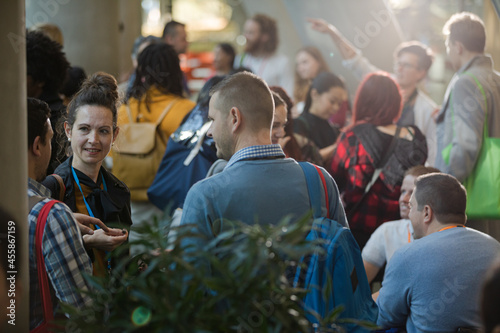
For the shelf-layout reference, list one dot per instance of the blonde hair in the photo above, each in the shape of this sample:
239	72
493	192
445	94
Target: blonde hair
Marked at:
301	86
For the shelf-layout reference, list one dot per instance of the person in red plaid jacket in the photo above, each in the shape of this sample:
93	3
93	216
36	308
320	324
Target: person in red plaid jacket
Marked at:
361	148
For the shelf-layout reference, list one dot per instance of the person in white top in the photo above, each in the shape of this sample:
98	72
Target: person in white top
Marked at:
260	55
390	236
412	61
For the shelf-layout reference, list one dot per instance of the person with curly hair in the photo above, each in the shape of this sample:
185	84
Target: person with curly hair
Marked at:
46	67
261	33
157	86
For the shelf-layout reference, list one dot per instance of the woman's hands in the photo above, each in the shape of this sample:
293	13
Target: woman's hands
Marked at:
105	240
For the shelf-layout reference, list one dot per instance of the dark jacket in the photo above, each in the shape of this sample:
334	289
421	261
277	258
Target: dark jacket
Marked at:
117	190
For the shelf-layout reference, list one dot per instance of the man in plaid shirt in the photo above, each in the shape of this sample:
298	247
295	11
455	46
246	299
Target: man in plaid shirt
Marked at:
65	256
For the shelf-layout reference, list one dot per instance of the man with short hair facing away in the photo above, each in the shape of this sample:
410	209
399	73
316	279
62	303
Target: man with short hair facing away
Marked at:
261	33
65	257
391	236
258	184
467	103
433	284
412	61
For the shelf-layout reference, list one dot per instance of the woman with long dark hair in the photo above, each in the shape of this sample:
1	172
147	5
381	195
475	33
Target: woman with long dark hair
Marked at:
157	89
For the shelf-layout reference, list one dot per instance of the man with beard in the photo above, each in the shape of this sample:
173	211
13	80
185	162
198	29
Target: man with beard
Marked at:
260	54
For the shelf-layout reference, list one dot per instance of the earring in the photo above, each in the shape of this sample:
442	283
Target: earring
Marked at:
69	139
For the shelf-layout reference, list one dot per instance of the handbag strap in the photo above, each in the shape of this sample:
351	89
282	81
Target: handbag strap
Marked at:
315	187
43	279
165	111
378	170
201	137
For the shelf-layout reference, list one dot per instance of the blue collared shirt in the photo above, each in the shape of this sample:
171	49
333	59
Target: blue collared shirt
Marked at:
256	152
64	255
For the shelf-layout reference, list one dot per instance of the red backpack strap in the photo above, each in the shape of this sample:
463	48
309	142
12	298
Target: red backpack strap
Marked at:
326	190
43	279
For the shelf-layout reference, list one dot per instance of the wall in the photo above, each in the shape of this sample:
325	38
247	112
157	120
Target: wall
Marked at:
98	35
13	148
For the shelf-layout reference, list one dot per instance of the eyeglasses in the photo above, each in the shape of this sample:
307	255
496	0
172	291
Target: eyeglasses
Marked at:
404	65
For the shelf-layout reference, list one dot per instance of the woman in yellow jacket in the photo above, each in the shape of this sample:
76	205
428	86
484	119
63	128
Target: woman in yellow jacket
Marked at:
157	85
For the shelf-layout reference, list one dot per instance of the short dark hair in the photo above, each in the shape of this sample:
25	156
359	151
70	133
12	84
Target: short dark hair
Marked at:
99	89
171	28
468	29
444	194
158	66
423	52
45	61
268	26
229	50
490	298
38	113
250	94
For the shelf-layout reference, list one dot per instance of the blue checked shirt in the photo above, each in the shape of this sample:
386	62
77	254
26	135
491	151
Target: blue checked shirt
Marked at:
256	152
64	254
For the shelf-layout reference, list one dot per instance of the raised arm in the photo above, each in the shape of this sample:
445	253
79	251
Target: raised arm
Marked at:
347	50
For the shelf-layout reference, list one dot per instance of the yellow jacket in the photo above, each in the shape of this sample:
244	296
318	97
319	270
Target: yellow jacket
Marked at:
156	105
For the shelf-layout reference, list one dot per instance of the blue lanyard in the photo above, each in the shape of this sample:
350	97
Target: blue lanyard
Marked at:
84	200
87	205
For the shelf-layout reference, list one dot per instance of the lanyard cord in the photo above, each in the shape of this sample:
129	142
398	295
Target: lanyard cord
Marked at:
80	188
87	205
451	227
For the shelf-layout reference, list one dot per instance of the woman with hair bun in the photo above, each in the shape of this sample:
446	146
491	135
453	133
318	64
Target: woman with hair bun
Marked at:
91	128
360	151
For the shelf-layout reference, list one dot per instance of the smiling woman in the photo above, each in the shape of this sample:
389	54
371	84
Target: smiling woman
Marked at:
89	188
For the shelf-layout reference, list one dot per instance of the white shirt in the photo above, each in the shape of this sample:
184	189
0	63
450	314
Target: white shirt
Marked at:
273	69
386	239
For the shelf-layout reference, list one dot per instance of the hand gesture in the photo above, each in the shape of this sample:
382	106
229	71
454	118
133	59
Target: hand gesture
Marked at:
105	241
84	222
320	25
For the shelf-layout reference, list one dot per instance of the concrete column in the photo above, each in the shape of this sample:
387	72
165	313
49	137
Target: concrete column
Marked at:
98	35
13	147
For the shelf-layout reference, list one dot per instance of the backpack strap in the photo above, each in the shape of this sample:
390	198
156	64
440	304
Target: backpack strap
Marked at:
43	280
62	187
165	111
315	187
129	113
378	171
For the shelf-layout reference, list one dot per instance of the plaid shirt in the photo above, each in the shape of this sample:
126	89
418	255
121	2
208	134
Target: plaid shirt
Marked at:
65	257
352	168
256	152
